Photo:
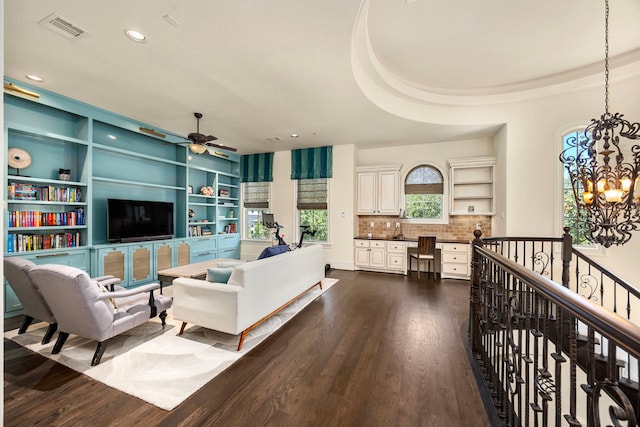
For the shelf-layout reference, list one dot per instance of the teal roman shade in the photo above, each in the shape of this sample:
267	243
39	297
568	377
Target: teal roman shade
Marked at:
312	163
256	167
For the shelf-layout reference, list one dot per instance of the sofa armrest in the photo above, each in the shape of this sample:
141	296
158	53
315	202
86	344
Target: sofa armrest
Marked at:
208	304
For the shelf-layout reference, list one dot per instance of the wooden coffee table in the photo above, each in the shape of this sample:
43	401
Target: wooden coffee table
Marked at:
197	270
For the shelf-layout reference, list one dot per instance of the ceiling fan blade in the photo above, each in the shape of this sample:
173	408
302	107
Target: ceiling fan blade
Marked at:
222	146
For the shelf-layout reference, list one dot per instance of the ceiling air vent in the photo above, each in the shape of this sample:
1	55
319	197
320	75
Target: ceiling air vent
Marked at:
61	26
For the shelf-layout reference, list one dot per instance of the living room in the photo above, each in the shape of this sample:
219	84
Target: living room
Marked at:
331	89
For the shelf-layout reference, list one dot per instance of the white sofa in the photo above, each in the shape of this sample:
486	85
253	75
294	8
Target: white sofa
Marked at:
255	291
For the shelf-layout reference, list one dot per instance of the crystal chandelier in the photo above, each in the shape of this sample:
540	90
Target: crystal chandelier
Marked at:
603	167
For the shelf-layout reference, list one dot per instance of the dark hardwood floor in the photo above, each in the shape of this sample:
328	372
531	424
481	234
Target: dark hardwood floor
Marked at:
375	350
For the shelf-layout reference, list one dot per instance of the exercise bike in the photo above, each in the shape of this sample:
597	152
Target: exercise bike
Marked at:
269	222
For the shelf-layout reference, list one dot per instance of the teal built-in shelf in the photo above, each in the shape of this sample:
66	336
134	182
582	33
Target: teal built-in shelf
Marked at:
108	156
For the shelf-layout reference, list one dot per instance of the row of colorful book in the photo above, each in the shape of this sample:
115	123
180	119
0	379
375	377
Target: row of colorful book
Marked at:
50	193
198	230
45	219
34	242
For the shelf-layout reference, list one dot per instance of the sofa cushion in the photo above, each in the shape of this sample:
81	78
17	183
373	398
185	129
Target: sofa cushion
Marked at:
273	250
227	264
219	274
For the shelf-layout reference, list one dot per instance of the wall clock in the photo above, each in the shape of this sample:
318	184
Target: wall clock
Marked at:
18	159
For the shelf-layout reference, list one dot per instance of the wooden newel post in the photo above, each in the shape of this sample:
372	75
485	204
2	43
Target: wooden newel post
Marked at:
476	297
567	249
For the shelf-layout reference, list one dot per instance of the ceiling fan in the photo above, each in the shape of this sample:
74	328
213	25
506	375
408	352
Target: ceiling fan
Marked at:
200	142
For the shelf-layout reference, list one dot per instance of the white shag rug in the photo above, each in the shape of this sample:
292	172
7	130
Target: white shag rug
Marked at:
157	365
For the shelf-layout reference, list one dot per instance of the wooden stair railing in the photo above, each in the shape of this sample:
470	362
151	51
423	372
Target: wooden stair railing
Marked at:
548	355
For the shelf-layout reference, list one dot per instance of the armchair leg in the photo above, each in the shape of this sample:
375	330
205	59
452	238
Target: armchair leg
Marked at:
101	347
163	318
62	337
53	327
26	321
152	304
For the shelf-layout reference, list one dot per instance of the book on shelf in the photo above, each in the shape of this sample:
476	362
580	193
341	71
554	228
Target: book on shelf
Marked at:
27	242
46	219
46	193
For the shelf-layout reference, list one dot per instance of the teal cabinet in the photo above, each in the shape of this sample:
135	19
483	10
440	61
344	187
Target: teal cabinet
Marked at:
182	254
12	306
164	255
133	263
229	246
203	249
141	261
111	260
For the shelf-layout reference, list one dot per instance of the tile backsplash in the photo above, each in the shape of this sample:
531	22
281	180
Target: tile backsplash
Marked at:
459	227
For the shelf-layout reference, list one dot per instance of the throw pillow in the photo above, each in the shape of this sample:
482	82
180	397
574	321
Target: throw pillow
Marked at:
110	301
219	275
273	250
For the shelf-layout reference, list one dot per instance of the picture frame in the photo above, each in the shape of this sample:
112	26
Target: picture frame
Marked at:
190	189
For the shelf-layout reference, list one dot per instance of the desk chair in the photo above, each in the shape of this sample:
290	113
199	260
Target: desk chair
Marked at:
426	251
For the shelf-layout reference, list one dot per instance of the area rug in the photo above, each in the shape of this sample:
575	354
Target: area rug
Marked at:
157	365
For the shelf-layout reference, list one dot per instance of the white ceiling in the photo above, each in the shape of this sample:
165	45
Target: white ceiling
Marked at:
264	69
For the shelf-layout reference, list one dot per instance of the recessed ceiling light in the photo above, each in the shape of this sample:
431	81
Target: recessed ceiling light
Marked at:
294	135
111	136
35	78
136	36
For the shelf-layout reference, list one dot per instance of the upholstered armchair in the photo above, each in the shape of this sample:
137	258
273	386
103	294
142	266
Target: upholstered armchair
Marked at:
17	271
82	308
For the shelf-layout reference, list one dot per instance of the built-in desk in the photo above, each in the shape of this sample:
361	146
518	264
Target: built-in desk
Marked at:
452	258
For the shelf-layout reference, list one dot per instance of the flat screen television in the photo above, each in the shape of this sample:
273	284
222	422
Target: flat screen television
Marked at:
138	220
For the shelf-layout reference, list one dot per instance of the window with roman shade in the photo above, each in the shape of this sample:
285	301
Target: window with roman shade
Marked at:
311	201
256	174
312	194
312	167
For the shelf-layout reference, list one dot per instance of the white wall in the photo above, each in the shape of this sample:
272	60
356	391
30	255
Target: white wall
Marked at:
499	223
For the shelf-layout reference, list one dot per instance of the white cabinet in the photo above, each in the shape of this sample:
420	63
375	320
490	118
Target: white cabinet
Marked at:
397	256
471	186
378	190
379	255
456	260
369	253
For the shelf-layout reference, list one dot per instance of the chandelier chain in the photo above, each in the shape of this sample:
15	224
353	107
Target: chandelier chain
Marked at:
606	58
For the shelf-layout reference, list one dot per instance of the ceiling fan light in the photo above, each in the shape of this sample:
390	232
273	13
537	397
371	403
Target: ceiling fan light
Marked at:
197	148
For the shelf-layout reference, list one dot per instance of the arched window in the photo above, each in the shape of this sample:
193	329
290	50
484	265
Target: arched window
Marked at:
424	193
571	217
